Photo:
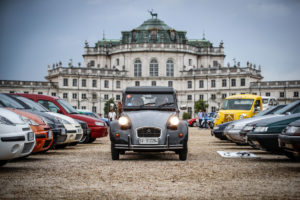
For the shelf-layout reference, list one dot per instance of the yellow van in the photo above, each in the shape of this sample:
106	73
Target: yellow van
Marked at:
239	107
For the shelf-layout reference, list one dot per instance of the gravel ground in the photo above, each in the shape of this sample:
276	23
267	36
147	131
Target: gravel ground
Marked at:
87	172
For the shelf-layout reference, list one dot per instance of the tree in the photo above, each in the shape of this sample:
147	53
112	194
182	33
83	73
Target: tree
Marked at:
200	104
107	105
186	116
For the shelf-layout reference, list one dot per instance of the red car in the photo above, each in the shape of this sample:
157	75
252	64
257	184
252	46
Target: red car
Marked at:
192	122
55	104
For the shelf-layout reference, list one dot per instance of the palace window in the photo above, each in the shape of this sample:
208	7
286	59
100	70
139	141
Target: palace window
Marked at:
117	61
137	68
224	82
106	84
52	94
83	107
201	96
213	109
94	96
118	84
201	84
281	94
94	109
215	63
106	97
153	83
153	67
296	94
189	84
92	63
268	94
40	92
213	83
189	97
65	82
65	95
118	97
224	96
83	82
190	62
170	83
94	83
243	82
83	96
74	82
137	83
213	96
170	68
233	82
190	110
74	95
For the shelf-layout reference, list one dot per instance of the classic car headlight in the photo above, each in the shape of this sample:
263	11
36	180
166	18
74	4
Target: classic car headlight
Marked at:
261	129
292	130
174	121
99	123
216	128
4	120
242	116
248	128
124	122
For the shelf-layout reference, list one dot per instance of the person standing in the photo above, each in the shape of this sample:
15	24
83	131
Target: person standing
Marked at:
112	114
205	118
200	117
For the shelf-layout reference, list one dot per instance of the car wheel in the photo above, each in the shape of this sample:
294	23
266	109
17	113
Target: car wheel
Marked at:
73	143
115	154
60	146
91	140
3	162
194	124
83	139
183	152
292	156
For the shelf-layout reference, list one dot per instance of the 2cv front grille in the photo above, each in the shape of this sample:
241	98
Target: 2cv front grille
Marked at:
148	132
228	117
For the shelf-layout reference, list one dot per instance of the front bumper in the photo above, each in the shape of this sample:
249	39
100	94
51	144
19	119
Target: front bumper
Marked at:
98	131
43	141
234	135
219	134
290	143
265	141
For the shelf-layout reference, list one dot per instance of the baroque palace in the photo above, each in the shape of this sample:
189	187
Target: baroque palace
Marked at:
153	54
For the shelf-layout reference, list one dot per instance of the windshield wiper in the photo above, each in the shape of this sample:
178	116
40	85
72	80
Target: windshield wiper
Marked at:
165	104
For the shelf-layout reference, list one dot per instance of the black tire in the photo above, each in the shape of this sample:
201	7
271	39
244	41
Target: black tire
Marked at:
292	156
3	162
91	140
73	143
60	146
183	153
194	124
115	154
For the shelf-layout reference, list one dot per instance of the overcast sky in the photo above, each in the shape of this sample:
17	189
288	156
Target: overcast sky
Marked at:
35	33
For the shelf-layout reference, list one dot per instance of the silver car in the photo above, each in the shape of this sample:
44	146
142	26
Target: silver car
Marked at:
232	131
149	122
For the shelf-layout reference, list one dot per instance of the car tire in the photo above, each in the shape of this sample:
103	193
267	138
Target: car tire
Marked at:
84	139
292	156
91	140
194	124
115	153
183	153
60	146
73	143
3	162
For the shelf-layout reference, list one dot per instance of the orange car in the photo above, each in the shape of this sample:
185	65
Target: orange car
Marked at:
43	134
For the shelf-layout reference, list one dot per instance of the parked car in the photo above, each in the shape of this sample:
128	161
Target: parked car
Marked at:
149	122
43	134
210	121
91	114
265	134
232	132
218	131
54	104
16	137
239	107
268	101
289	140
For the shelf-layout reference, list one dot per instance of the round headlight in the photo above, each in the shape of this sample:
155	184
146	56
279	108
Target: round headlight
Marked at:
174	120
123	121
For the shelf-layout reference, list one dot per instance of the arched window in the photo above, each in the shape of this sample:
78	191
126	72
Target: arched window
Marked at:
137	68
153	67
170	68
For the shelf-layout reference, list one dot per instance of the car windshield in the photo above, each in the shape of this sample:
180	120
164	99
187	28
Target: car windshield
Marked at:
149	100
9	102
291	106
33	105
69	109
237	104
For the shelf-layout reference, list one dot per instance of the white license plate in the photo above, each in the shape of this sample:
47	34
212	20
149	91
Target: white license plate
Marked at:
148	140
50	134
30	136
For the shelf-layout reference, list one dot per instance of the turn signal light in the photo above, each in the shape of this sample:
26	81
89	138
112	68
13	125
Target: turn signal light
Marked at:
117	135
180	135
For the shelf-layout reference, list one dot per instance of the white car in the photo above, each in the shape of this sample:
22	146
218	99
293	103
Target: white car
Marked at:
74	131
16	137
268	101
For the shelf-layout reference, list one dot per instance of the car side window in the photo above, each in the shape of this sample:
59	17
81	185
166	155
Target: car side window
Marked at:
48	104
257	103
295	109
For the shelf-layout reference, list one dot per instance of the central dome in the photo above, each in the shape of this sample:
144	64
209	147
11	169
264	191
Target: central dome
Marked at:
153	23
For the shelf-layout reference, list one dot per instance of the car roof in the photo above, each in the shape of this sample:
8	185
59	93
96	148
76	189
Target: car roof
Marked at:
36	95
280	118
243	96
295	123
147	89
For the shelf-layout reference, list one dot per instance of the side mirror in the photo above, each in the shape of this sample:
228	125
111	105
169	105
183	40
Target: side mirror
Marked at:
60	112
183	107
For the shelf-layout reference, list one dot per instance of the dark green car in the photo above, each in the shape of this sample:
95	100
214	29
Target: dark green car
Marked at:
265	134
